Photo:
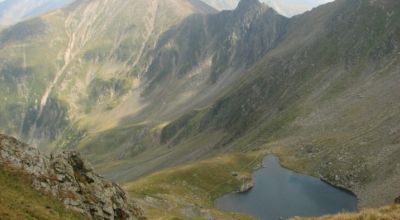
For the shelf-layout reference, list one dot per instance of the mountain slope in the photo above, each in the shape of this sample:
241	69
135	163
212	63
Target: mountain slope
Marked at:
19	201
189	191
204	49
320	100
104	73
79	61
386	213
193	64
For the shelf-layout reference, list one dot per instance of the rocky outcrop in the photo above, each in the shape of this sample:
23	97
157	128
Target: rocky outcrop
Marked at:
246	186
69	178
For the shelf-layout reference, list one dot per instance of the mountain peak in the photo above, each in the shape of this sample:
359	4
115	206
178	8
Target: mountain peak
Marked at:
250	7
248	4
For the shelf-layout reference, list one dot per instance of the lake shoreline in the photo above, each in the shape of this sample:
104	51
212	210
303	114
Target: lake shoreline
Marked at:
341	198
259	167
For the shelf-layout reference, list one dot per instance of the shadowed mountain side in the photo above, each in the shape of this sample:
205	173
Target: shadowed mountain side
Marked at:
324	99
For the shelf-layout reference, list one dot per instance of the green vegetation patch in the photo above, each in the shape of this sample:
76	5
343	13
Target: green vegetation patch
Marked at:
385	213
19	201
106	92
199	184
23	31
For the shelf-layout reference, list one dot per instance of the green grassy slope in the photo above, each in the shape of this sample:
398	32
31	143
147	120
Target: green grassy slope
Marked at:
189	191
19	201
385	213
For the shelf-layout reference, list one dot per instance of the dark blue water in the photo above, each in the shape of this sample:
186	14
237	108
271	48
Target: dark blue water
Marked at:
280	194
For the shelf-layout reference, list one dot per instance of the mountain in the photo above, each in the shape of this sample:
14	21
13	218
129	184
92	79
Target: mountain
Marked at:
120	75
45	59
13	11
316	100
193	64
304	91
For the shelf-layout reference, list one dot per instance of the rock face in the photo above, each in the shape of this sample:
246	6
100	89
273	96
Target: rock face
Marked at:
246	186
67	177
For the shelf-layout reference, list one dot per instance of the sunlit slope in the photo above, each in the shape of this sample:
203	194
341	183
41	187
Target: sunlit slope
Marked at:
78	63
18	200
385	213
189	191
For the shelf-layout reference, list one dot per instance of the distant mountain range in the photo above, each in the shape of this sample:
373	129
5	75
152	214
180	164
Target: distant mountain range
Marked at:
13	11
284	7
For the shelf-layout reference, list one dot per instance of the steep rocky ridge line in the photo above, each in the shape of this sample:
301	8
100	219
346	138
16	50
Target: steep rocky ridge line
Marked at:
69	178
149	24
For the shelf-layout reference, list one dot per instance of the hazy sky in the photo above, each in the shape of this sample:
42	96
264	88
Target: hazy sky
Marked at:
293	7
